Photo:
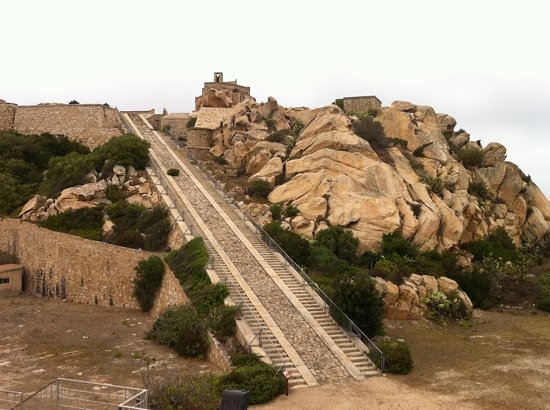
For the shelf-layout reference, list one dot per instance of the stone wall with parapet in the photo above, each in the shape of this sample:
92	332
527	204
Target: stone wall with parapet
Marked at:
90	124
199	138
361	104
58	265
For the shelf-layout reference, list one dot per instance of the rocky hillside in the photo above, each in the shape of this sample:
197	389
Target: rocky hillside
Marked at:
402	167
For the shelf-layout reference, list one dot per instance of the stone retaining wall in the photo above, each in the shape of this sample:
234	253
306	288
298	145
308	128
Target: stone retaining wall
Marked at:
199	138
63	266
90	124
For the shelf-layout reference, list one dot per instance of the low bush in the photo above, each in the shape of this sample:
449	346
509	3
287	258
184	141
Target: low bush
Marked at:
436	184
181	328
64	172
470	157
419	152
173	172
85	222
479	189
339	102
188	264
114	193
262	381
208	297
125	150
149	274
441	307
394	243
293	244
398	356
221	321
361	302
543	292
478	285
139	227
291	211
258	188
276	211
184	392
339	241
498	245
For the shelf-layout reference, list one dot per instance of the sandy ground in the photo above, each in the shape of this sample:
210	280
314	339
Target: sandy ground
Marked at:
43	339
500	361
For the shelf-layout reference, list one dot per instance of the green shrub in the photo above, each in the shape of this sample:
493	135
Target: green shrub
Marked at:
262	381
181	328
275	210
361	302
185	392
339	102
436	184
85	222
125	150
498	245
470	157
478	285
173	172
149	274
291	211
64	172
372	131
239	359
139	227
479	189
419	152
258	188
339	241
398	356
114	193
14	194
394	243
399	142
441	307
543	292
208	297
296	128
293	244
221	321
188	264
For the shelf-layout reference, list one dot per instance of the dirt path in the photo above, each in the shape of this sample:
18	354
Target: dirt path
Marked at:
43	339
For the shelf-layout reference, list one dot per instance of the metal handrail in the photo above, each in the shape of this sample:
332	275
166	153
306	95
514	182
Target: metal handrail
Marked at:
212	258
343	319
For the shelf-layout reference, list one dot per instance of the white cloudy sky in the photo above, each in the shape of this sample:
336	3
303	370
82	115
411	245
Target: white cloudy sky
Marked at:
484	62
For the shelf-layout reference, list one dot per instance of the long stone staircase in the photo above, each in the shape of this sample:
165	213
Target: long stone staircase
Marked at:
290	323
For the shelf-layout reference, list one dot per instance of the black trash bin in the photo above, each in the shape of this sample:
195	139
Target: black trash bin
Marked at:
234	400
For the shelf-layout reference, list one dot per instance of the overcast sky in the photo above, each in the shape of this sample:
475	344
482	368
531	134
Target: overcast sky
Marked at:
486	63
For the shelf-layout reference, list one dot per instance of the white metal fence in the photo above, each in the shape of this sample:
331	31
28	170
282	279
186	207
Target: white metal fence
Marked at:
78	395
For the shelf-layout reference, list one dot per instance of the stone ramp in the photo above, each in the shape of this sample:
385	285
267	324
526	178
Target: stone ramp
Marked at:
294	327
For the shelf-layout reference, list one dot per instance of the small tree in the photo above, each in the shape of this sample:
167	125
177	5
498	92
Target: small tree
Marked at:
361	302
148	281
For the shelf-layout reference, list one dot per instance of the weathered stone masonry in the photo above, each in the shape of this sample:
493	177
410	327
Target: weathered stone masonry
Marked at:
64	266
91	124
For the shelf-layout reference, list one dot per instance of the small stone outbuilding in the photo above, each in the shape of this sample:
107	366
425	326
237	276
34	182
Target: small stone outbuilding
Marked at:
11	279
